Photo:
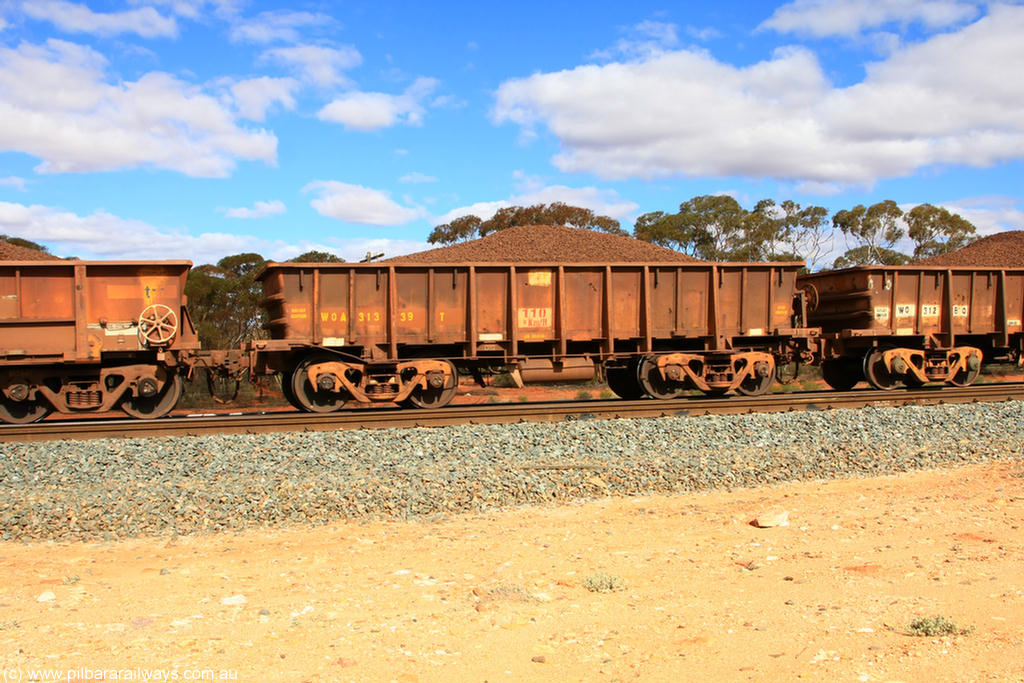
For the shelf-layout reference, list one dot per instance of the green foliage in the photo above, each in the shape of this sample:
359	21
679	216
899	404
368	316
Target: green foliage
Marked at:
223	301
717	228
471	227
930	627
937	231
317	257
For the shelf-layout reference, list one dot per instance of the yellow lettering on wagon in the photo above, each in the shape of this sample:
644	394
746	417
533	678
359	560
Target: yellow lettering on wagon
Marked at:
328	316
298	313
534	317
369	317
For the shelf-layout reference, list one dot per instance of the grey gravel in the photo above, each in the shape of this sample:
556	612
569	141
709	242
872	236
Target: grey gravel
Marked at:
115	488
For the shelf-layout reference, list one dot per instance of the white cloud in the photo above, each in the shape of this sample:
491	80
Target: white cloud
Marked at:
417	177
990	214
193	9
358	204
367	111
322	66
106	236
13	181
102	235
277	25
939	102
3	24
821	18
55	104
260	210
600	201
75	18
253	97
643	39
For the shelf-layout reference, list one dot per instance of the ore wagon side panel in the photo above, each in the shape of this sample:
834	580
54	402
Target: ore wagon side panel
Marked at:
489	305
584	298
37	317
79	310
503	309
625	302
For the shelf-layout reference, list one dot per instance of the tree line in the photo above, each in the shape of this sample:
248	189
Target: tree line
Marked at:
718	228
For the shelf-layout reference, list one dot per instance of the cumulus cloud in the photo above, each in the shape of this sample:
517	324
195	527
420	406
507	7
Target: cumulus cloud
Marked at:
601	201
316	64
277	25
13	181
253	97
56	104
938	102
822	18
260	210
367	111
358	204
74	18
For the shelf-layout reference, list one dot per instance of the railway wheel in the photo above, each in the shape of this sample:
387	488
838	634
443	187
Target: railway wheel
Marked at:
23	412
312	398
434	397
623	382
842	374
653	384
966	377
760	381
875	371
158	405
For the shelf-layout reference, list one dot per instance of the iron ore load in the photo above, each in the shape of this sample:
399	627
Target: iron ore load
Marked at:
369	332
910	325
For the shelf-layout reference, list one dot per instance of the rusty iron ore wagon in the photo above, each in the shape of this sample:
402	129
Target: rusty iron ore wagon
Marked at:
378	332
92	336
909	325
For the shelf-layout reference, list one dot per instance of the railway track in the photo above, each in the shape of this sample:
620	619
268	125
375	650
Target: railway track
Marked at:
498	413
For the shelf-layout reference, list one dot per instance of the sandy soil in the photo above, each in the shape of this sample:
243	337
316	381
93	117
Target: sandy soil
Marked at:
702	594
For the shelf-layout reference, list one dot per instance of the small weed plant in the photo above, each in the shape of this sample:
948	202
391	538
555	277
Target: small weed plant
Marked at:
603	583
930	627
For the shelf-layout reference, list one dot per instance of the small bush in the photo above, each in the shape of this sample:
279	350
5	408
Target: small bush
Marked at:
930	627
583	395
608	393
603	583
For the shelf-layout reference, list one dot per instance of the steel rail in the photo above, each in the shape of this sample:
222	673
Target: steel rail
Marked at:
499	413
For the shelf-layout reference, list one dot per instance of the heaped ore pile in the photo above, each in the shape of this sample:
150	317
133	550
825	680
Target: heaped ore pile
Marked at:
549	244
1002	250
12	252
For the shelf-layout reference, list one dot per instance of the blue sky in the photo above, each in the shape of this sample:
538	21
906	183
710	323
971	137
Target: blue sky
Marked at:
202	128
